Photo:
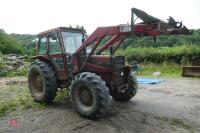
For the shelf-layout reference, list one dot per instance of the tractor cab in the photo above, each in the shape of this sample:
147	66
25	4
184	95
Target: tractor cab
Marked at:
57	46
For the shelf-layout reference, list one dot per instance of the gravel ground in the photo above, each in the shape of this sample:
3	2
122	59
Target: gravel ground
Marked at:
171	106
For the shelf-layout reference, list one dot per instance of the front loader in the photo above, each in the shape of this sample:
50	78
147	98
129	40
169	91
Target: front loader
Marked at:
89	67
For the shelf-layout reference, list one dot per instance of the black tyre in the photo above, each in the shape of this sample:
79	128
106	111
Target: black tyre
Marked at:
129	93
89	95
42	82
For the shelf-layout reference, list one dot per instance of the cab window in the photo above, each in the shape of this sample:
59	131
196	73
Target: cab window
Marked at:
42	46
54	47
72	41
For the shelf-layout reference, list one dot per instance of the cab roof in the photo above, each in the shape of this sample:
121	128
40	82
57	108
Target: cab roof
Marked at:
60	29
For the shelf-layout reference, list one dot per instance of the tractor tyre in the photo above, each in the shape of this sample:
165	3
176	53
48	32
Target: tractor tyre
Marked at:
129	93
42	82
89	95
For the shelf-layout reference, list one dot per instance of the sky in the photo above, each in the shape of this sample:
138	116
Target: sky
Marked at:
34	16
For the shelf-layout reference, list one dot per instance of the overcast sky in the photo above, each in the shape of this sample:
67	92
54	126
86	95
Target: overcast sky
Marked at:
33	16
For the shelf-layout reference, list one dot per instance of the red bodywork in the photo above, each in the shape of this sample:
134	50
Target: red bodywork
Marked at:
106	65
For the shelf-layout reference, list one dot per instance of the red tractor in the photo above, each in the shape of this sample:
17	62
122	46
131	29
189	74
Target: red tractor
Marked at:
67	59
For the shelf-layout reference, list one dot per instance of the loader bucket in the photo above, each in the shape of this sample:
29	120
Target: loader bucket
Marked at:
191	71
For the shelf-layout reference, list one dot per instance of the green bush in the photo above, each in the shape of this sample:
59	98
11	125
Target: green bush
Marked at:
9	44
179	55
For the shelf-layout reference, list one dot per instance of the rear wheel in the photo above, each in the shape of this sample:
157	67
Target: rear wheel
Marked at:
42	82
130	92
90	95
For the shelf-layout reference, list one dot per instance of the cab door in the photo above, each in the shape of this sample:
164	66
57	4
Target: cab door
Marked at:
55	54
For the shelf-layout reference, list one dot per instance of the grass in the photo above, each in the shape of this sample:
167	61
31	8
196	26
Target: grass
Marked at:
62	96
166	70
16	97
18	72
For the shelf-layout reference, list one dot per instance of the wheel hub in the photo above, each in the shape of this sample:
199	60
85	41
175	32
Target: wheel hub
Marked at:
86	97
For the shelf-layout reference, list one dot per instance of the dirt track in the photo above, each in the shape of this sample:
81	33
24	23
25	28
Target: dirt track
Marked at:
172	106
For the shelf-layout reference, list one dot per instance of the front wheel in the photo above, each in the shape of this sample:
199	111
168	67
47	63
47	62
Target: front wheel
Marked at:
90	95
129	93
42	82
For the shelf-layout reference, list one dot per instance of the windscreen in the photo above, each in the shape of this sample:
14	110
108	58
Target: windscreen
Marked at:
72	41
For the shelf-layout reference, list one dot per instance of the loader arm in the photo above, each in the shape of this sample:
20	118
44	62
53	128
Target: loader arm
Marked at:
151	26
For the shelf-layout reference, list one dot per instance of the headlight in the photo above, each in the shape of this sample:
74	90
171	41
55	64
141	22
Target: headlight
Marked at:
122	73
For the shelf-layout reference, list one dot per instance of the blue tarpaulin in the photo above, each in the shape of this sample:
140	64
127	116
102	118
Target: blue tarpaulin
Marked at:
149	81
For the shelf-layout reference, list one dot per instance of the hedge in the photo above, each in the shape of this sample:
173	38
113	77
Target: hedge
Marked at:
178	55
